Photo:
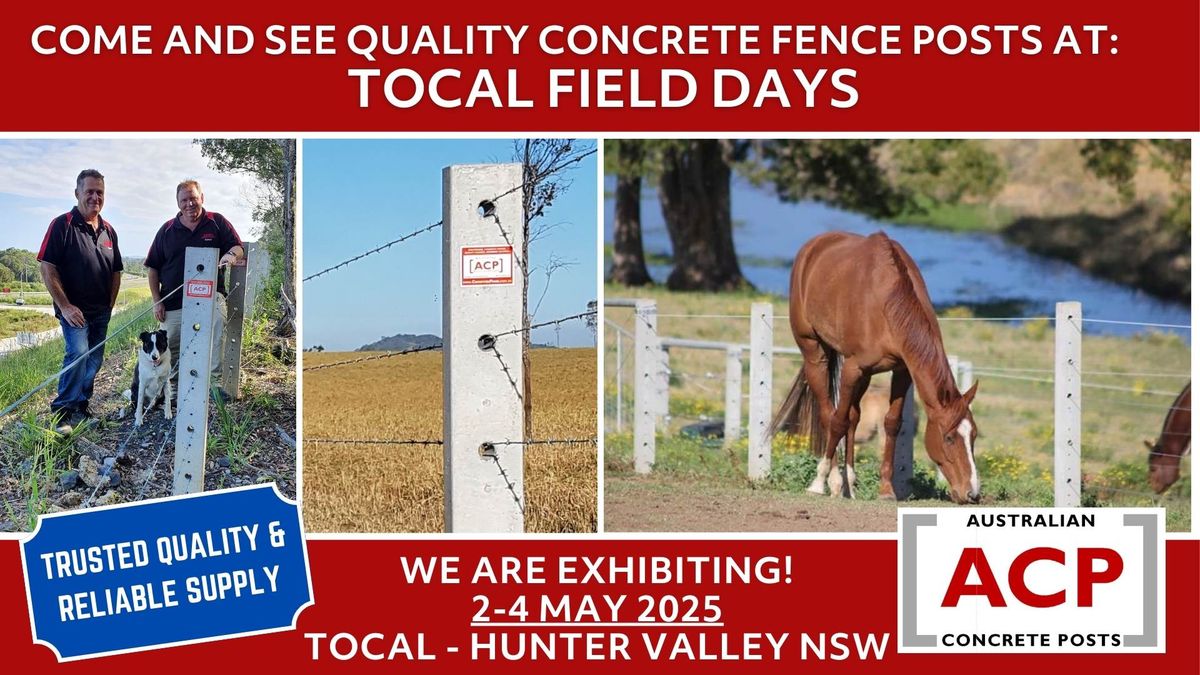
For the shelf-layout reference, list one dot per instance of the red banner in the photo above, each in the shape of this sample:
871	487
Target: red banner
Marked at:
768	606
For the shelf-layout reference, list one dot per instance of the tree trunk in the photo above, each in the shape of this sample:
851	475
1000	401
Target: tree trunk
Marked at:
628	256
287	322
694	192
526	370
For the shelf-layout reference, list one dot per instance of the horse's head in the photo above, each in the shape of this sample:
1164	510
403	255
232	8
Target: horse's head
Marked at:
1164	468
950	440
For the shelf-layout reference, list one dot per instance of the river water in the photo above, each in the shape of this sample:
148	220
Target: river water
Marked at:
975	269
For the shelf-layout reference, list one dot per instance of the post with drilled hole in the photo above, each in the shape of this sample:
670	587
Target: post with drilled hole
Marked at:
762	317
483	414
235	314
195	361
1068	411
646	364
733	395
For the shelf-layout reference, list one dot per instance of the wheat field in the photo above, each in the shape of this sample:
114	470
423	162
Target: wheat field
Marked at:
398	488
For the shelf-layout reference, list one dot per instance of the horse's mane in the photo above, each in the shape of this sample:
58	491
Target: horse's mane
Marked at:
914	322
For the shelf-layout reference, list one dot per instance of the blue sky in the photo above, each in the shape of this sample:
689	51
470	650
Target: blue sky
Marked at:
359	194
37	180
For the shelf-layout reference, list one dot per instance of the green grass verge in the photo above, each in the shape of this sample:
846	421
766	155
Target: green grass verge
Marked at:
1014	409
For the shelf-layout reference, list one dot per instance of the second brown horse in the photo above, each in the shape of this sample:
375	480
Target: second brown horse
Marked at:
858	306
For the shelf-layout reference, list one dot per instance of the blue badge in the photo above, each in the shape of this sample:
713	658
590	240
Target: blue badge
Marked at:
165	572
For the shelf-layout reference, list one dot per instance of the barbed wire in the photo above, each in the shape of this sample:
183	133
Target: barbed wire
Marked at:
377	249
550	441
545	174
373	357
512	489
373	441
546	323
439	223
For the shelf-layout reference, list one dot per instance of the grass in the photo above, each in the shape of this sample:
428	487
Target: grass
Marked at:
46	452
357	488
13	321
39	456
230	436
1013	410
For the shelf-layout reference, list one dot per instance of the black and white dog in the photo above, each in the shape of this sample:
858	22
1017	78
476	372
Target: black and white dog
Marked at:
152	378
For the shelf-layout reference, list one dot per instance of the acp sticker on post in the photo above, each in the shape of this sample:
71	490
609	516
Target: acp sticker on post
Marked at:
166	572
487	265
1031	580
199	289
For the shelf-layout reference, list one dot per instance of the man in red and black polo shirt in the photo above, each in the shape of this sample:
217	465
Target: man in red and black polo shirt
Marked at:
81	266
195	227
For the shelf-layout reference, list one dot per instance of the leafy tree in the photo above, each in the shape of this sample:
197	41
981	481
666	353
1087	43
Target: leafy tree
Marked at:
273	163
865	175
545	165
1117	161
624	158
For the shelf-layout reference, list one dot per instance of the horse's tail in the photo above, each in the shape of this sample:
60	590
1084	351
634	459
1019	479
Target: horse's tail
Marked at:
800	415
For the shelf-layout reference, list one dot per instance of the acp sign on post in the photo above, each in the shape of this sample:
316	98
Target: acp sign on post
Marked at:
199	288
1031	580
166	572
487	265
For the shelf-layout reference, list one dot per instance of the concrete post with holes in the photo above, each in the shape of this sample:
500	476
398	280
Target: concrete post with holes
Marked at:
235	313
762	330
482	376
258	266
902	455
733	395
646	364
1068	411
195	362
661	397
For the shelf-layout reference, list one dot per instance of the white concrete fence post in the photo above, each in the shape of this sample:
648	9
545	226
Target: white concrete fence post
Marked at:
195	363
966	374
620	375
481	378
954	370
258	267
1068	410
733	395
646	364
762	330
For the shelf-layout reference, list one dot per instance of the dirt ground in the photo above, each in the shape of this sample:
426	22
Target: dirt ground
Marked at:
114	464
698	507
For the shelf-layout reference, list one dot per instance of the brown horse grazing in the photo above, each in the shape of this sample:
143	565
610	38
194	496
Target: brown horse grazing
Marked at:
1173	442
859	306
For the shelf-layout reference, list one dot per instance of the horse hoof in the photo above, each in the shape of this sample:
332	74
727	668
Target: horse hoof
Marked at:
816	490
887	497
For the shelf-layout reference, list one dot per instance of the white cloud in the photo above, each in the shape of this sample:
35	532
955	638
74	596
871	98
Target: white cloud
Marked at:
140	178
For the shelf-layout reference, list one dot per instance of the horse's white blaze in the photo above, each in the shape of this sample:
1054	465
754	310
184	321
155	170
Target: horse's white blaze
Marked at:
964	430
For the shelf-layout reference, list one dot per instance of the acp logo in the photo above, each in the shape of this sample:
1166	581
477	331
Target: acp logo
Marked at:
1031	580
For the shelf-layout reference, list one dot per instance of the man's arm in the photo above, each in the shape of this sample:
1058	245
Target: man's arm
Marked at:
53	282
160	312
116	288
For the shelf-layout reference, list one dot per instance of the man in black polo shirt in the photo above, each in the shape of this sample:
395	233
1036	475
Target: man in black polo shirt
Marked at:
81	266
195	227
